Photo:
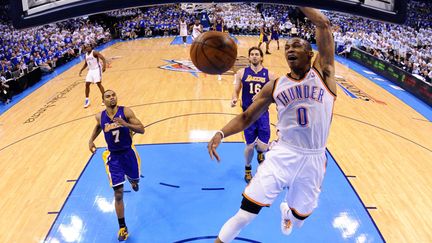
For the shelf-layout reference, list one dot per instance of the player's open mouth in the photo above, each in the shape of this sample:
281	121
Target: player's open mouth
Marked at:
292	57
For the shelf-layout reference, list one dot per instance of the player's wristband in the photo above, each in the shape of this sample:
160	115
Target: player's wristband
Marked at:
221	133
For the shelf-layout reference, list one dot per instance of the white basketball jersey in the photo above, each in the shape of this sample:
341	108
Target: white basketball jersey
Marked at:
305	110
183	28
92	62
196	31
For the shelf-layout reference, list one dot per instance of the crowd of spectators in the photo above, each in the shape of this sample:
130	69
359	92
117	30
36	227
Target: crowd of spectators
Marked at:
150	21
402	45
44	47
407	46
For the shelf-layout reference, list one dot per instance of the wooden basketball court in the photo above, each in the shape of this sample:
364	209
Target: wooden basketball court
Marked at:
383	145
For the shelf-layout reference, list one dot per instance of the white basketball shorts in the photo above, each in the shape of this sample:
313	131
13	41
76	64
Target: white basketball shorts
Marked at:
299	170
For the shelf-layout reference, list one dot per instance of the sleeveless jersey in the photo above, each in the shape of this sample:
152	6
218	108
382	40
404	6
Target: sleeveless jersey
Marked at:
252	84
92	62
305	110
118	138
196	31
183	28
219	26
275	30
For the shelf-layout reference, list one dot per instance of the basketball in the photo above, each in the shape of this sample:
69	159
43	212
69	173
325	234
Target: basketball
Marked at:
213	52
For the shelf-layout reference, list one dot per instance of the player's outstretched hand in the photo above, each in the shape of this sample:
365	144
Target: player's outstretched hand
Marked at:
92	147
213	144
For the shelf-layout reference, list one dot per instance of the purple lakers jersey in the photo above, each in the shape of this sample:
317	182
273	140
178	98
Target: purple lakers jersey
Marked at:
252	84
118	138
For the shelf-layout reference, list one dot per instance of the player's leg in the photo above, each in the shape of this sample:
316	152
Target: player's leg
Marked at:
261	192
262	144
302	196
277	40
87	93
116	176
250	135
267	47
132	163
261	37
97	78
184	39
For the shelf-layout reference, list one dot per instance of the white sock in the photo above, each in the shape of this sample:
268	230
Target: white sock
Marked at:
234	225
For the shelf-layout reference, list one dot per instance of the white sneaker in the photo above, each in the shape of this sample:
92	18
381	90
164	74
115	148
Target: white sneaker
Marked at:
219	78
87	103
286	224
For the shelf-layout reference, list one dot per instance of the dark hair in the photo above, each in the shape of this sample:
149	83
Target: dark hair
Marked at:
255	48
103	95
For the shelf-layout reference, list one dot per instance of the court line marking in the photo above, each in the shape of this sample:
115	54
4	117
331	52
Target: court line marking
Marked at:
204	113
67	198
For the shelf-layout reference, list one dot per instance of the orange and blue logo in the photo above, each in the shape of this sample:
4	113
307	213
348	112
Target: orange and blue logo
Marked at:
181	66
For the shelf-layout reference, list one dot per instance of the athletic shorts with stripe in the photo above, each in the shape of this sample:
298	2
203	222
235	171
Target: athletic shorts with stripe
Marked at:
301	171
122	165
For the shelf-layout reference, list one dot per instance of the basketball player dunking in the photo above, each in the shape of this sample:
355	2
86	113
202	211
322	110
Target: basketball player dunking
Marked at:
250	81
94	74
304	99
197	29
121	160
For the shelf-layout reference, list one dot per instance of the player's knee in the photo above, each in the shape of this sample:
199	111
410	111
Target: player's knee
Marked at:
262	147
250	146
118	193
118	196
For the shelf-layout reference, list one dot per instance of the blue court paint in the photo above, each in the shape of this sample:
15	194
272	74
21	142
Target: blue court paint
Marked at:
188	214
178	40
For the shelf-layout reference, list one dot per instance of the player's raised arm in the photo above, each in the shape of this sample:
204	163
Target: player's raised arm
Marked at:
324	62
243	120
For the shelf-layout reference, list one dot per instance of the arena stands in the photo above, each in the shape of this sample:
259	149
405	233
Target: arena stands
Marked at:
46	47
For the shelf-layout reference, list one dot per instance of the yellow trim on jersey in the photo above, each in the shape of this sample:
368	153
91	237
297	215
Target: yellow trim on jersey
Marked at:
138	160
105	155
261	38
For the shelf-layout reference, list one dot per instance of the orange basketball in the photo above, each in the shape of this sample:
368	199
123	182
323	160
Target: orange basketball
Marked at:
213	52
